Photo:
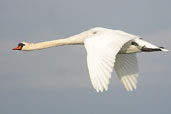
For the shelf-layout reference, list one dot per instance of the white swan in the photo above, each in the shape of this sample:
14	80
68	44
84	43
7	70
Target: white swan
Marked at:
106	49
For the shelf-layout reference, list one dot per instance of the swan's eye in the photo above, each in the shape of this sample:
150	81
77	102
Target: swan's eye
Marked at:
21	44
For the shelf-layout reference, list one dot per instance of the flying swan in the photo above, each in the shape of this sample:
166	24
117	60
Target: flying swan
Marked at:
107	49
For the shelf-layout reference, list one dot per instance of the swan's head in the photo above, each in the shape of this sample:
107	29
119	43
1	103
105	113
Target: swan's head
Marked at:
22	46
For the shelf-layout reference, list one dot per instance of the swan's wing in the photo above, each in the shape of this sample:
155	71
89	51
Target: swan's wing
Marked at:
127	70
102	49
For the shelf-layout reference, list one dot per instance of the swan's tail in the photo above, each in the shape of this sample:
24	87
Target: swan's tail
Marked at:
147	47
163	49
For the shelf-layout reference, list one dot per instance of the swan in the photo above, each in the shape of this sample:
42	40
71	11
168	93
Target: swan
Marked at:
106	49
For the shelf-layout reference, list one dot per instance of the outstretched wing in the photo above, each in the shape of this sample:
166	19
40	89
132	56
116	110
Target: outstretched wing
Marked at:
127	70
102	49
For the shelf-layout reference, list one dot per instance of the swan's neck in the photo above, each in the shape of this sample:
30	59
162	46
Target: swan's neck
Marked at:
73	40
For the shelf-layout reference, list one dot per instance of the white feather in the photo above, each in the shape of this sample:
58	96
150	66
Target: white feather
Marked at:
102	49
126	68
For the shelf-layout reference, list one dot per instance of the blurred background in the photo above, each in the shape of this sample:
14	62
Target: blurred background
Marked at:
56	80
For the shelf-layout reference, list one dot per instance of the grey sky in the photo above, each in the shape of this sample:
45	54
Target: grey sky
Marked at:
56	80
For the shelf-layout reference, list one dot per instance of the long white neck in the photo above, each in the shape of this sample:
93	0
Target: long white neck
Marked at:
73	40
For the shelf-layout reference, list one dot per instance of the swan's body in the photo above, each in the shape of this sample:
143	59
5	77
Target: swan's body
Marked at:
106	49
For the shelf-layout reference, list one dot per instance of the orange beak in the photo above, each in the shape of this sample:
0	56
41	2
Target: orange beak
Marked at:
17	48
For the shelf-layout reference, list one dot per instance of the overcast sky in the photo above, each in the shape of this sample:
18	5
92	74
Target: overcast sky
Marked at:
56	80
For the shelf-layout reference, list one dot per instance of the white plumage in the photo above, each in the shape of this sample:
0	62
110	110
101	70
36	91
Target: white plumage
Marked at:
107	49
126	68
102	49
